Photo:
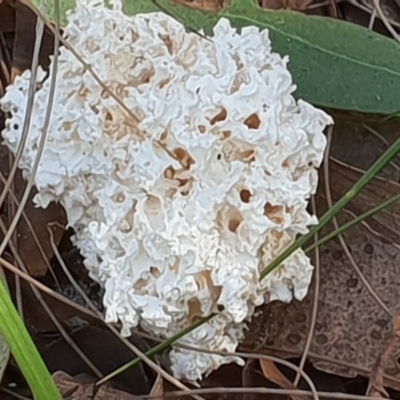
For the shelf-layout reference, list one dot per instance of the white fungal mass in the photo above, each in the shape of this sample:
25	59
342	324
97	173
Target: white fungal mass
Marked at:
179	203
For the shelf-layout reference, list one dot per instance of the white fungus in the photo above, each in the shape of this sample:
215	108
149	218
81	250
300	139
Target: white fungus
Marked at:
171	203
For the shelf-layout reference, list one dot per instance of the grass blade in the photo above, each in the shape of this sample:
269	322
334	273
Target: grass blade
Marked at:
24	350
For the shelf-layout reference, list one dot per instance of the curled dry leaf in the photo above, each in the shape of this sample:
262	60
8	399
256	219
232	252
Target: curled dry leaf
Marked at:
158	387
272	373
351	329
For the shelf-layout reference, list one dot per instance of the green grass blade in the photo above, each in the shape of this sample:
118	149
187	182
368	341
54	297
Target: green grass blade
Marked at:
354	222
24	350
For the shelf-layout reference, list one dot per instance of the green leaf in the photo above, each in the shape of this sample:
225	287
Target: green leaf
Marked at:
334	63
4	349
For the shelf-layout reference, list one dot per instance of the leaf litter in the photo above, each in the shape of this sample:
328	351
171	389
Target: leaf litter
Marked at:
353	334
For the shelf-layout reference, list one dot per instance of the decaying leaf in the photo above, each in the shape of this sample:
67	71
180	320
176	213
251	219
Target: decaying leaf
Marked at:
272	373
76	389
158	387
295	5
351	329
376	385
206	5
17	38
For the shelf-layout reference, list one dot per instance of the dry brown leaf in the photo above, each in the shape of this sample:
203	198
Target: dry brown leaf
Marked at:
206	5
72	389
376	385
272	373
295	5
351	328
158	387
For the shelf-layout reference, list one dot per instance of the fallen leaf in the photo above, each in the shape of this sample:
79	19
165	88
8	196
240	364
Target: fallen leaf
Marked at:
294	5
206	5
158	387
272	373
375	384
72	389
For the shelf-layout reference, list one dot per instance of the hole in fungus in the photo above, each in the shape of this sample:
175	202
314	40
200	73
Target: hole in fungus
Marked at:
108	116
201	128
164	137
15	127
238	151
155	272
169	173
252	122
184	157
141	284
168	43
163	83
175	266
194	306
205	281
221	116
219	156
226	135
234	221
120	197
274	213
245	195
67	126
183	182
247	155
310	164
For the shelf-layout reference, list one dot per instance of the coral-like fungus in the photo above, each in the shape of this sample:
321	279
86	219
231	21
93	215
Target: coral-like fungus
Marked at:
177	204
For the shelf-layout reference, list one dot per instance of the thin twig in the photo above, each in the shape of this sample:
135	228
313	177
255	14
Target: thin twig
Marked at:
385	21
314	311
261	390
